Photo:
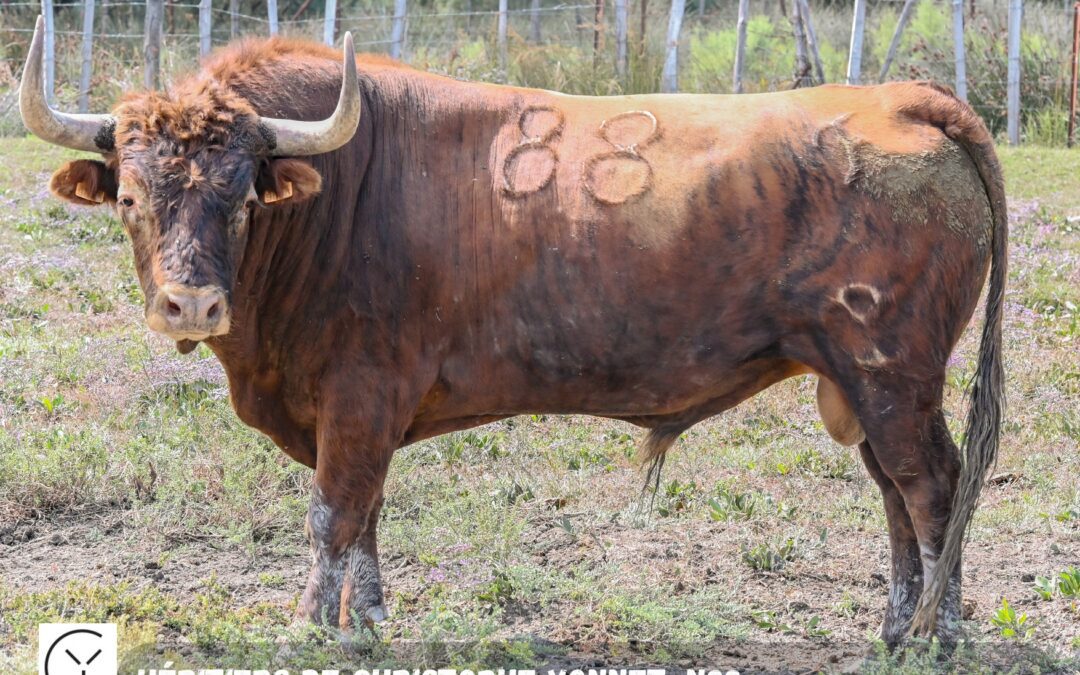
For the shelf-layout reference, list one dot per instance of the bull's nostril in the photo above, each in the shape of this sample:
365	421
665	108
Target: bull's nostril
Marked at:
213	311
174	309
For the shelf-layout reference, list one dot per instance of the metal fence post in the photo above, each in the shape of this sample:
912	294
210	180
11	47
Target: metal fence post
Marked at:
50	51
328	23
669	80
958	49
397	32
87	55
272	16
234	19
205	22
155	11
1016	13
858	24
534	21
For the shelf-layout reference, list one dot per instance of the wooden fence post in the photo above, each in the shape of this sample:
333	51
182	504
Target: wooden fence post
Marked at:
1072	72
740	46
534	21
87	55
858	24
958	49
1016	14
234	19
155	13
598	31
50	51
272	16
397	32
621	58
644	8
501	38
329	21
811	39
206	19
669	79
803	74
898	32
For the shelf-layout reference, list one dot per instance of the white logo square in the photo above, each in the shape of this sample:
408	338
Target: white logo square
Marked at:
77	649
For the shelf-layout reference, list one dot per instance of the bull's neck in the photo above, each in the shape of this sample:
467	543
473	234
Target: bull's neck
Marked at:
346	255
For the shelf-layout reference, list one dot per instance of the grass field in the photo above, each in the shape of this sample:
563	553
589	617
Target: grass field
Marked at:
130	493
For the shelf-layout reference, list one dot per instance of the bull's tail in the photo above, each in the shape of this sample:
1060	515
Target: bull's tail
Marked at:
980	445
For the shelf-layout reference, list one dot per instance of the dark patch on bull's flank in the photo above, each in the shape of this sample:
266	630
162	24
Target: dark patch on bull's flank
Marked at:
759	186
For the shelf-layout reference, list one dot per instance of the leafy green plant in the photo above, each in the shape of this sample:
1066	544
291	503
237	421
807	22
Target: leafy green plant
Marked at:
812	628
1045	587
1068	583
1010	624
1068	515
513	493
586	457
767	620
498	591
52	404
730	504
677	497
771	557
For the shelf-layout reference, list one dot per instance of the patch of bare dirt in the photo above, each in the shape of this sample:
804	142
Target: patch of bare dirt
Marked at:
97	544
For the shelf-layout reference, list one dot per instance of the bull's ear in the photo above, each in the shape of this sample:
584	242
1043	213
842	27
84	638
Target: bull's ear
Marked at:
287	181
84	181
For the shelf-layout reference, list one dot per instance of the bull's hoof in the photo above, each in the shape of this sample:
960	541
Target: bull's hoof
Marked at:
376	614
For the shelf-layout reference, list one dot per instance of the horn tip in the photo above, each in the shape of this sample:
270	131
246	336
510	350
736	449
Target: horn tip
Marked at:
347	42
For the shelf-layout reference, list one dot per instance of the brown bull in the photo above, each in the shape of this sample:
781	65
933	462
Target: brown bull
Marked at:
474	252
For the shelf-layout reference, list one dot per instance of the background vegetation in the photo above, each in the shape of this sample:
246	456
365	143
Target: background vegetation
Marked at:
457	37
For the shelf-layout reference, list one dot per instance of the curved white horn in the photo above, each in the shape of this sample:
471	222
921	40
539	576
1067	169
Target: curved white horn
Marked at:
296	138
92	133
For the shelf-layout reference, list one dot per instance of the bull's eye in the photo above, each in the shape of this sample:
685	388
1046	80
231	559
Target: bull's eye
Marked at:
126	201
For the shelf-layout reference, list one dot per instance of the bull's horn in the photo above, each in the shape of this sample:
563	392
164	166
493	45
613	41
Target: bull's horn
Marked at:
296	138
92	133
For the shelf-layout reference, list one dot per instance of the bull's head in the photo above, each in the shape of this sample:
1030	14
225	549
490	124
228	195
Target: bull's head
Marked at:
184	173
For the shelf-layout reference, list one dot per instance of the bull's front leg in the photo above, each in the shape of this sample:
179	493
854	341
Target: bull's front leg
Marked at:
344	588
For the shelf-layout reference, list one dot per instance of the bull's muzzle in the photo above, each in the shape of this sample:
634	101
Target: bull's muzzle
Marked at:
189	313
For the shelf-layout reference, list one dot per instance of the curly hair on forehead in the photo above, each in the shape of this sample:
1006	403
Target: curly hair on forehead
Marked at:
197	112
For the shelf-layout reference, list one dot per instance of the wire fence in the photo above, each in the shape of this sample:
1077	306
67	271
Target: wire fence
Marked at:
574	46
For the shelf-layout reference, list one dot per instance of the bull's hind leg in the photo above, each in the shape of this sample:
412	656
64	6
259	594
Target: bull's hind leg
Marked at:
906	579
907	435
